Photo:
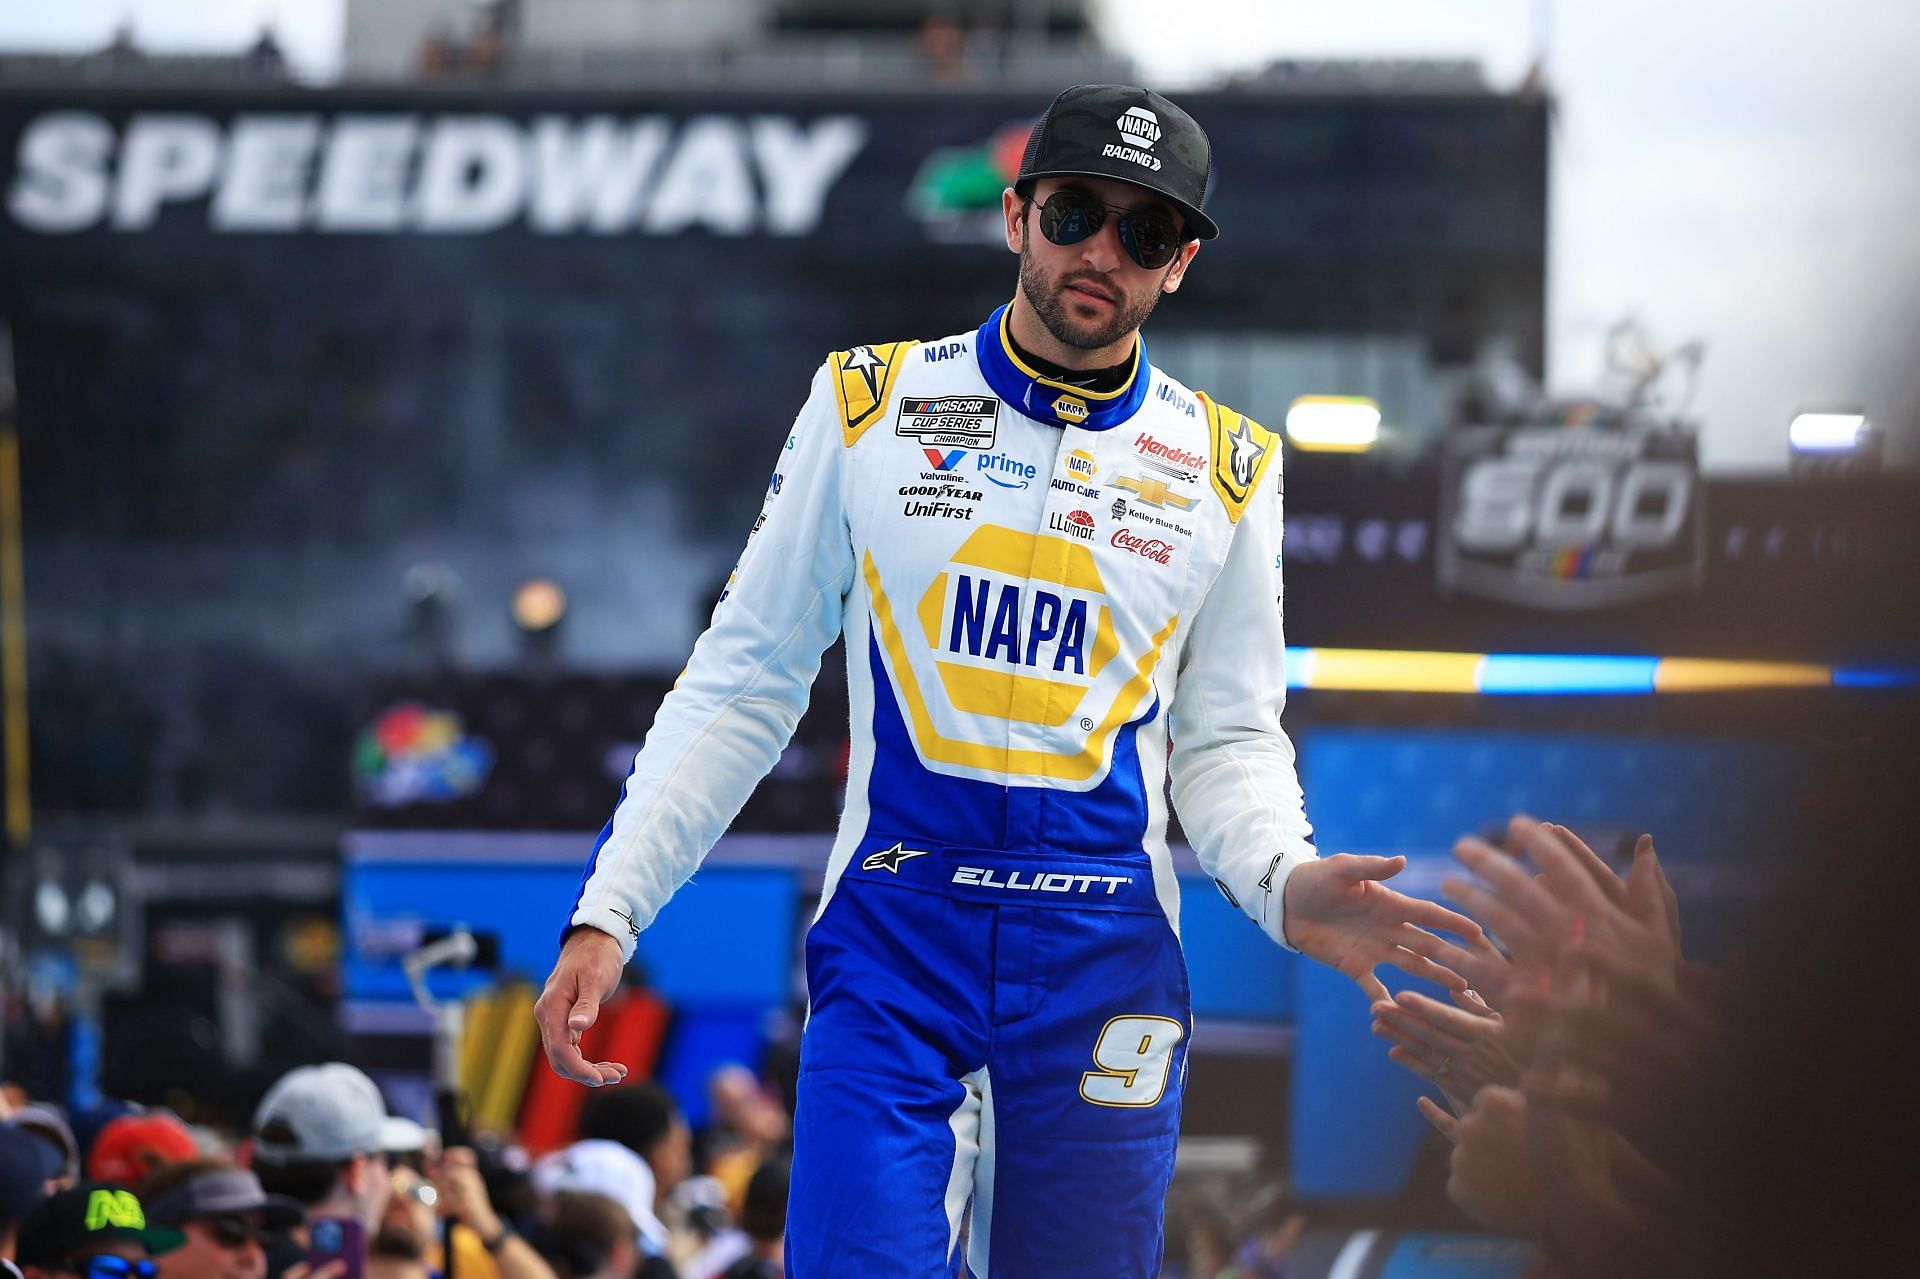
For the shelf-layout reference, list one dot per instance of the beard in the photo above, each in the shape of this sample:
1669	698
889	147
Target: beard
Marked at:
1043	295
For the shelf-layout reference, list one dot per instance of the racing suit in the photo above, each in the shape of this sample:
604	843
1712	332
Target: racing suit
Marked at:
1036	582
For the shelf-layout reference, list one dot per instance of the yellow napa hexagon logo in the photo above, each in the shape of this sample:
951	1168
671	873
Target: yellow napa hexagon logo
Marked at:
1019	630
1019	625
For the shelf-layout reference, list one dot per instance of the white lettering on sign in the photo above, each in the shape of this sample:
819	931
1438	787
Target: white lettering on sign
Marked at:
447	174
265	187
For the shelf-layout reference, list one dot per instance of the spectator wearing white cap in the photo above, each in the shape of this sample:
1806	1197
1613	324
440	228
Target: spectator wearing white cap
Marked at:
600	1167
321	1137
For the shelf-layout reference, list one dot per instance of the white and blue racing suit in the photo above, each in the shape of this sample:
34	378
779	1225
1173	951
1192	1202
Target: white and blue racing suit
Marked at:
1038	585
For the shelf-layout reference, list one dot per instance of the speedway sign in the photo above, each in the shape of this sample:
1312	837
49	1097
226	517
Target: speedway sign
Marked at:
385	172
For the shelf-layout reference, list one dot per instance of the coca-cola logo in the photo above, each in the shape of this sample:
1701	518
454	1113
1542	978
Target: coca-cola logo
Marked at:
1152	548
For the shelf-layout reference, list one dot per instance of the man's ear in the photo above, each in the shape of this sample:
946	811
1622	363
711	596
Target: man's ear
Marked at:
1014	209
1178	271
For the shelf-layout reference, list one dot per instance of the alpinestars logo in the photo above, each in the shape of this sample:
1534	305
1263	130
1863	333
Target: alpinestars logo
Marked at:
889	859
633	928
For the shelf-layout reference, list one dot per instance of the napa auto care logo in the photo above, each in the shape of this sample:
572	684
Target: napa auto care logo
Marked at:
956	193
414	754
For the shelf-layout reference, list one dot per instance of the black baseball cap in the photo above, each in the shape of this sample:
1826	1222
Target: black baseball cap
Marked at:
70	1223
1128	134
27	1164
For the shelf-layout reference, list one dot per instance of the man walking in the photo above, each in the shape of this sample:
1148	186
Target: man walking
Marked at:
1048	558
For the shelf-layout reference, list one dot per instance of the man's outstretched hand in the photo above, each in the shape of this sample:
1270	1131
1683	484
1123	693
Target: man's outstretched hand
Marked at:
1338	912
587	972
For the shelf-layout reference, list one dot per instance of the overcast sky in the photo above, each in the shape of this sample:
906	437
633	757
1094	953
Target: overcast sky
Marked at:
1740	171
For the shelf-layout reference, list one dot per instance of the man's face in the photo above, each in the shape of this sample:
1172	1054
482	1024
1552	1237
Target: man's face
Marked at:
225	1247
127	1250
1091	294
671	1158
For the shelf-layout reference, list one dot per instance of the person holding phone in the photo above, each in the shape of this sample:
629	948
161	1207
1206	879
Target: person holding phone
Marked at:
321	1138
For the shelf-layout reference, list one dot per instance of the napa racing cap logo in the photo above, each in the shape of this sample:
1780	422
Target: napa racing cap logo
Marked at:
967	421
1139	130
414	754
1139	126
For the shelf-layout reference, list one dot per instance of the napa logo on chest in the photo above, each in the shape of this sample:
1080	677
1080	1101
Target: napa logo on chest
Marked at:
1017	629
1003	622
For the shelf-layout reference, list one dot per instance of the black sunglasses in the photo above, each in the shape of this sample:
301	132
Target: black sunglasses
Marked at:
1149	236
232	1232
107	1266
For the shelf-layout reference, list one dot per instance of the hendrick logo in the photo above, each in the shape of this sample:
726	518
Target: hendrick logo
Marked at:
1139	126
889	859
1148	446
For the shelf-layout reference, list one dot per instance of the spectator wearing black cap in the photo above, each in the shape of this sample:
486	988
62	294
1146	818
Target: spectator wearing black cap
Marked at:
94	1230
222	1212
48	1125
27	1165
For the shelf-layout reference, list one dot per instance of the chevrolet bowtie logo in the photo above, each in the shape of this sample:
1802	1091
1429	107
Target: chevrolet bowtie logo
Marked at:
889	859
1154	492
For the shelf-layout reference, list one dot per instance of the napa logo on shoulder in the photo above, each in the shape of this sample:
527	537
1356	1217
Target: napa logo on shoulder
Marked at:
1070	408
956	421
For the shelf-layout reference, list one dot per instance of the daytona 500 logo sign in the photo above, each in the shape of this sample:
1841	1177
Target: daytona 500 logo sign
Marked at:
1559	519
443	173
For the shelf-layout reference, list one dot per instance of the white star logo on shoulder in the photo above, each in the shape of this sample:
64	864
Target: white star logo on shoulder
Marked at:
1247	453
889	859
863	361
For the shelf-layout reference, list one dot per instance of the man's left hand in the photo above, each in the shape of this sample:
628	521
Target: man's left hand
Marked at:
1338	912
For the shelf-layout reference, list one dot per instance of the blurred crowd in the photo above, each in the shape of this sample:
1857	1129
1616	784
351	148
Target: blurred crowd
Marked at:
1628	1109
327	1184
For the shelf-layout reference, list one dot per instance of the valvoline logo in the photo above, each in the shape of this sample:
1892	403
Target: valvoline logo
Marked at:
944	461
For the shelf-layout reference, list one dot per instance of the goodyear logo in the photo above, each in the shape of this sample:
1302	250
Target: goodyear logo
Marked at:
1070	408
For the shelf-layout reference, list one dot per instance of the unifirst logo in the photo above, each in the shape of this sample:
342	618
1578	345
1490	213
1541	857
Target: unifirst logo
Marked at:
1140	126
1017	623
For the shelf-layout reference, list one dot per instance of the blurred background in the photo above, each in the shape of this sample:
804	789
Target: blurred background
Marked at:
389	385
